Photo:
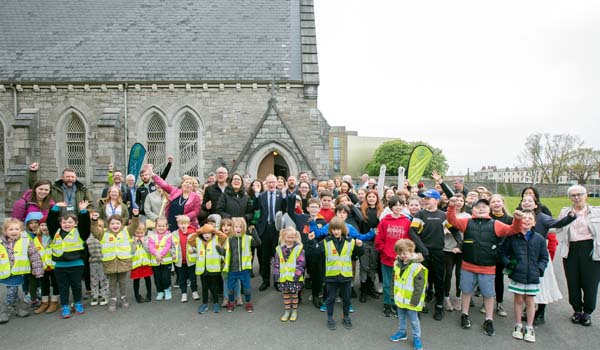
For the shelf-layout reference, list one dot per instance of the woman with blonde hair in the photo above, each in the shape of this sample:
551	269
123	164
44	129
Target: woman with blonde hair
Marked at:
113	204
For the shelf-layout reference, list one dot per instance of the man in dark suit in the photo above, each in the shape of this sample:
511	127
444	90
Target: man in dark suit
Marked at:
270	201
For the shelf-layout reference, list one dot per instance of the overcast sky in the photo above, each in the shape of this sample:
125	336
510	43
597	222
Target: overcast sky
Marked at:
473	78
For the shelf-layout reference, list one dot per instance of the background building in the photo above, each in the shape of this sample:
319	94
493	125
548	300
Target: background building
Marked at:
225	83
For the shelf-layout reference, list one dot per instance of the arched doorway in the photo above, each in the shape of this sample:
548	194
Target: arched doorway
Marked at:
273	163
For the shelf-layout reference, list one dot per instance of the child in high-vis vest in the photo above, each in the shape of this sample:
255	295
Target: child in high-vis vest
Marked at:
159	244
339	251
288	271
140	264
70	232
116	242
205	250
98	279
185	267
238	261
227	228
30	285
49	302
18	256
410	281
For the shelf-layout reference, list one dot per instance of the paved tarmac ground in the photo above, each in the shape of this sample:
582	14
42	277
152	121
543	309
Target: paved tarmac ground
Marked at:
176	325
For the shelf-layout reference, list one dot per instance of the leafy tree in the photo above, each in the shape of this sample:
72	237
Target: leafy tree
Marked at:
396	153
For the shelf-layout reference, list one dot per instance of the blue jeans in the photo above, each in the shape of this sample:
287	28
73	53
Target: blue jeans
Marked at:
242	276
238	287
413	317
388	276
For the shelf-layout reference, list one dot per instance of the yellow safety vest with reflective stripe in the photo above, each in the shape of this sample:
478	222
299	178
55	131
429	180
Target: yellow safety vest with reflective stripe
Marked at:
21	265
337	263
160	245
71	243
287	269
141	257
207	257
116	246
191	254
404	286
45	254
245	254
176	247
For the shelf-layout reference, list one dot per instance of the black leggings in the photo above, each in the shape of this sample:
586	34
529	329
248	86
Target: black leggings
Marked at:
452	262
48	280
162	277
210	283
147	282
69	279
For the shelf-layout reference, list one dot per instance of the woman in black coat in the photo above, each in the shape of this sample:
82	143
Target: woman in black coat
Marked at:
234	202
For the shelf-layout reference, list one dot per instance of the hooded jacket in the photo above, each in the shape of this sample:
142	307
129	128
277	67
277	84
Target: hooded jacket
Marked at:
389	231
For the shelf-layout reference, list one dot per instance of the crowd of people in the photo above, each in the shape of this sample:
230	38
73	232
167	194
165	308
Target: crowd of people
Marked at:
307	235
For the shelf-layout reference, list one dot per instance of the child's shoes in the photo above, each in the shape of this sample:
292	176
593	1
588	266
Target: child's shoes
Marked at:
216	308
398	336
160	296
66	311
230	306
168	295
286	316
294	315
202	308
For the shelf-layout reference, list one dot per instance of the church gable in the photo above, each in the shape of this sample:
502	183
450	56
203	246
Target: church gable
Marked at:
272	134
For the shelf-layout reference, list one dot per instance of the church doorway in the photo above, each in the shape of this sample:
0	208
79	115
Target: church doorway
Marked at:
273	163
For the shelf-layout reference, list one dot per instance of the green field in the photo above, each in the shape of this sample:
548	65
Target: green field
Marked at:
553	203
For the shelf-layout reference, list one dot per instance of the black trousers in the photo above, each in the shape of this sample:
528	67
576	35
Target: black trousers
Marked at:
345	289
583	276
266	251
437	273
69	279
452	262
210	283
48	280
316	268
162	277
499	282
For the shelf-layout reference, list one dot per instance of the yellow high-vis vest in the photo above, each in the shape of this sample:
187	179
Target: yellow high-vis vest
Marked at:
404	286
21	265
287	269
141	257
245	255
160	245
71	243
207	257
116	246
338	262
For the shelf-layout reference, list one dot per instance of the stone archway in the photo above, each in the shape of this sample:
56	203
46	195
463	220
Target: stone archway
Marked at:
272	158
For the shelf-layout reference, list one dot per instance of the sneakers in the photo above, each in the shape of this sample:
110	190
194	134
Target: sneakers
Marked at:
500	310
387	310
465	321
576	318
323	307
351	308
160	296
286	316
438	314
79	308
482	309
488	327
239	301
66	311
585	319
398	336
529	335
195	295
331	325
216	308
202	308
94	301
124	303
347	322
249	307
112	305
104	301
448	304
27	299
168	295
294	315
184	298
457	304
230	306
518	332
417	345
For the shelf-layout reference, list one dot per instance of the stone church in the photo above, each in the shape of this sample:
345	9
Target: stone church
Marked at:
226	82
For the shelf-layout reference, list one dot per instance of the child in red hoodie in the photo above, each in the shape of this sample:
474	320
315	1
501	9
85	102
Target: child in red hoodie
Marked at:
391	228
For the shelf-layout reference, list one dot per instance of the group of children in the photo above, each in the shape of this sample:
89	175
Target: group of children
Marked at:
220	253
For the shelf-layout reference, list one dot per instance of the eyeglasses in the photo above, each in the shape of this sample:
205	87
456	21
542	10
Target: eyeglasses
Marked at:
573	195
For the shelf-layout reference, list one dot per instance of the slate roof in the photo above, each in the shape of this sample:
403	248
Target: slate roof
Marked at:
149	40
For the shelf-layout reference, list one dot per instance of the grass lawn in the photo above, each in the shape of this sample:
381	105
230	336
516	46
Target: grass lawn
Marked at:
555	204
